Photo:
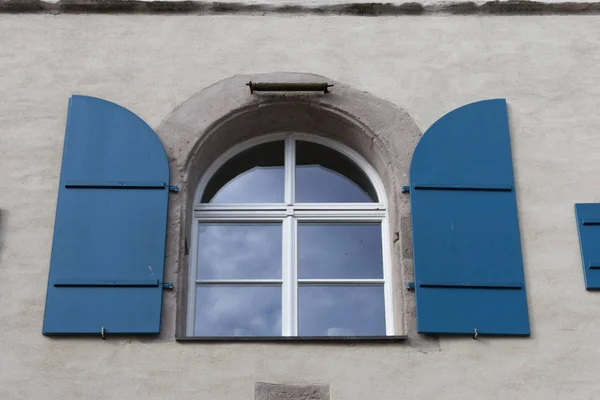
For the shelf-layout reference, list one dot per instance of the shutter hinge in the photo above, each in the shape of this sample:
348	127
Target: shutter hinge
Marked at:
174	189
410	285
114	185
473	285
167	286
405	189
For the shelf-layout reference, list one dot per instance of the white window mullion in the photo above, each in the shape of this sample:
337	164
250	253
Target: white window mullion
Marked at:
238	282
240	207
294	275
388	291
350	216
289	170
288	294
191	300
334	207
255	216
322	281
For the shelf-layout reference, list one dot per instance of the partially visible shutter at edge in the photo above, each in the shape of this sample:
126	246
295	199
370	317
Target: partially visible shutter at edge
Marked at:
467	250
588	226
107	263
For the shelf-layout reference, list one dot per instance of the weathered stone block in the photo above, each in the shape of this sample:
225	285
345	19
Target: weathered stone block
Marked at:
274	391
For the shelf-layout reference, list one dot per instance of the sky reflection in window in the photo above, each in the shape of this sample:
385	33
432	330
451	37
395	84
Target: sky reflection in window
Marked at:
339	251
238	310
324	175
253	176
341	310
239	251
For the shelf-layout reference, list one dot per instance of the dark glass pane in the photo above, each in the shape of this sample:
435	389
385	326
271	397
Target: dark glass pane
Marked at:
341	310
324	175
339	251
253	176
239	251
240	310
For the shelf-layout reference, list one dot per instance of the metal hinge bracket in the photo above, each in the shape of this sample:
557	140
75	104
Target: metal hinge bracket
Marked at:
405	189
174	189
167	285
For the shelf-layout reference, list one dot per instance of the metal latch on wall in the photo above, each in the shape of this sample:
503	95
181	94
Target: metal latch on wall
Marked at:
288	87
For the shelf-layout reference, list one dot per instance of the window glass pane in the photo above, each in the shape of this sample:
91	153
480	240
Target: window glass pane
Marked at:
253	176
325	175
339	251
239	250
240	310
341	310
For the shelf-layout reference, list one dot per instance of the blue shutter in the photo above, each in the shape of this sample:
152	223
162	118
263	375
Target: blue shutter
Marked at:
588	226
467	250
106	268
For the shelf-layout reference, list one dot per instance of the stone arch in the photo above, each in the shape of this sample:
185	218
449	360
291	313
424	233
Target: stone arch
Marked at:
224	114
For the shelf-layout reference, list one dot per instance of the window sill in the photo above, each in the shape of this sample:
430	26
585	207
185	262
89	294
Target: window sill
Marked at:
292	339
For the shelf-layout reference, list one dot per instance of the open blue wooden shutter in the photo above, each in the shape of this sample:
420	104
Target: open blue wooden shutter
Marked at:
588	226
106	268
467	250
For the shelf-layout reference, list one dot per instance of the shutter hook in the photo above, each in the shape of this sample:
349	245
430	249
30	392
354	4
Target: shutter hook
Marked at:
475	333
103	333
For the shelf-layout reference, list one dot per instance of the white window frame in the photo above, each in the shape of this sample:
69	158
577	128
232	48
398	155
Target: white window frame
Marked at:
289	214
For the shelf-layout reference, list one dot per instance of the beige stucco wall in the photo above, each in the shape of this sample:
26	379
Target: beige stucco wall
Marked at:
545	66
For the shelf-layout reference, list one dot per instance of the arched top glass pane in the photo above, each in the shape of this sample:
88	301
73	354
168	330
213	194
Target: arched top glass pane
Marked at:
252	176
324	175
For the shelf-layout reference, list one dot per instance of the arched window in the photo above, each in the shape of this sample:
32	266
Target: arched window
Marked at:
290	237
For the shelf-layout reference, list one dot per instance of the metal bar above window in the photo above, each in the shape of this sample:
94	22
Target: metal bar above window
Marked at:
288	87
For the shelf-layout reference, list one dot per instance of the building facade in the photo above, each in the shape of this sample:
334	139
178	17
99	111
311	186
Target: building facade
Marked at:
330	272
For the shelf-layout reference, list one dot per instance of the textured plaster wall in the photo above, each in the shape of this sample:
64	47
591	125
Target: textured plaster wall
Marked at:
545	66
